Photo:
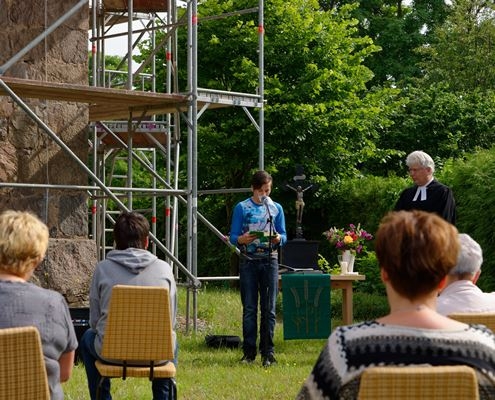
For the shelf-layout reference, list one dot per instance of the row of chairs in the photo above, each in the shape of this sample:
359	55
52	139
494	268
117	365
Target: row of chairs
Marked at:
139	328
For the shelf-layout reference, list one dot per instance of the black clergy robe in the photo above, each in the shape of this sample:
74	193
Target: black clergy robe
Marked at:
439	199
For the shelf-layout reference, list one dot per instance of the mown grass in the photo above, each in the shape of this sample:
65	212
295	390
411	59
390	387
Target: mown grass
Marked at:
205	373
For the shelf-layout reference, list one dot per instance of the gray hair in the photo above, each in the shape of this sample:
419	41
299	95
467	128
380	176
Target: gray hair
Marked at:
420	158
470	256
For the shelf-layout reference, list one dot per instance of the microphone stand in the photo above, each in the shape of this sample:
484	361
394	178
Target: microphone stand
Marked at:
267	288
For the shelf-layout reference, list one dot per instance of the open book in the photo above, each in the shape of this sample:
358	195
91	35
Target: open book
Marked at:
261	235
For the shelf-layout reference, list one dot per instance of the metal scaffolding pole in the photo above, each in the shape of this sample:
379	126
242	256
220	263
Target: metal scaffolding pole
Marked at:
192	170
261	84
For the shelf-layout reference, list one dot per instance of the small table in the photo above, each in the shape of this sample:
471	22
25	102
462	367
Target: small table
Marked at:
344	282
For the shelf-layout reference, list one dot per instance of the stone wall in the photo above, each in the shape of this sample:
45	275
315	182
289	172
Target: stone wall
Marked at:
29	156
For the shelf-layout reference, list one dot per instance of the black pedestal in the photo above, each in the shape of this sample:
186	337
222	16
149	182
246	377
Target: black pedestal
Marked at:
80	320
300	253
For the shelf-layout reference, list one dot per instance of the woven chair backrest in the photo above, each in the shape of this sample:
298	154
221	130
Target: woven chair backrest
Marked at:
139	326
412	383
22	366
487	319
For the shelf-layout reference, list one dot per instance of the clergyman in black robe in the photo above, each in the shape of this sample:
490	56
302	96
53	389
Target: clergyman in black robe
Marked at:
427	194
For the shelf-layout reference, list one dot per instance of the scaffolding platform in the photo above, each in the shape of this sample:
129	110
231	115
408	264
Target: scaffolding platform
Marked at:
137	5
145	134
225	98
112	104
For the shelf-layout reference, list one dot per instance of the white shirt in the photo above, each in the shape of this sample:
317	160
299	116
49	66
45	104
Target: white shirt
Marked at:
464	297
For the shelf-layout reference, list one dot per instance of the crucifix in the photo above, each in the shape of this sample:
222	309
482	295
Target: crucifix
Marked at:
299	185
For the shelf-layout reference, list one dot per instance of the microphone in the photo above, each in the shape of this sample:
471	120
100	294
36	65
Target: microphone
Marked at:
267	202
264	200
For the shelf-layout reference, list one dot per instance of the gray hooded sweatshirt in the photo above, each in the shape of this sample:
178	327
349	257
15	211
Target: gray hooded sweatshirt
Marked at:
126	267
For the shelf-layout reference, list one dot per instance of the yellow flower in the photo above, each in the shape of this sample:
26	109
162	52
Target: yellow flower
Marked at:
348	239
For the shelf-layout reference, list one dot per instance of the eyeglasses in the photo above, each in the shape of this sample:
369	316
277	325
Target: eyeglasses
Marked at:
416	169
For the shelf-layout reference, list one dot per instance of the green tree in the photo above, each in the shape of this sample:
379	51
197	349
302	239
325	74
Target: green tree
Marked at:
112	63
440	122
450	111
398	29
319	112
462	54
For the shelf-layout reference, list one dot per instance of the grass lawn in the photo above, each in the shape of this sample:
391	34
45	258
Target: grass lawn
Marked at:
205	373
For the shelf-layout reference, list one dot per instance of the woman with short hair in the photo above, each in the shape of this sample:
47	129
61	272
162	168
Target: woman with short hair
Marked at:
23	244
415	251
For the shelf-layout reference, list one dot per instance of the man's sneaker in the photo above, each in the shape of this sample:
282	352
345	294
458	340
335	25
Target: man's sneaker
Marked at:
247	359
268	360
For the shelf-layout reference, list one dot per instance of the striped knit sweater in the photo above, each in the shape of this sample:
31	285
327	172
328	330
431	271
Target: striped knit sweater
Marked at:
350	349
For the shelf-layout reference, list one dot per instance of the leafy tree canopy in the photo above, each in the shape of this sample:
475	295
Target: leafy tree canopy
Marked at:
462	53
397	29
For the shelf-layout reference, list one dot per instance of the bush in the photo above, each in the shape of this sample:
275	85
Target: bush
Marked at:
473	183
363	200
368	265
366	200
369	306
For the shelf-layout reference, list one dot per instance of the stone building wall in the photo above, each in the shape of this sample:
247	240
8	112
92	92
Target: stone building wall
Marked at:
29	155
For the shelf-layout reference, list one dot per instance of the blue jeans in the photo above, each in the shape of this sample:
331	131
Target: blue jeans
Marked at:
160	387
258	277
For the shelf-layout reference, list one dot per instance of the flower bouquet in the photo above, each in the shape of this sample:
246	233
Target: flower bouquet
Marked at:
353	238
350	241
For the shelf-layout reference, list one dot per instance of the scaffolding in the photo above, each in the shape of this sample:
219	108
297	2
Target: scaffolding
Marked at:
132	126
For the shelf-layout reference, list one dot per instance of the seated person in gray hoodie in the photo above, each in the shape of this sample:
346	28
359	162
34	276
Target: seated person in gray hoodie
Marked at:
128	264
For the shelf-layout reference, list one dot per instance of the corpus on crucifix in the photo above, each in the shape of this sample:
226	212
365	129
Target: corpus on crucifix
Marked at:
299	185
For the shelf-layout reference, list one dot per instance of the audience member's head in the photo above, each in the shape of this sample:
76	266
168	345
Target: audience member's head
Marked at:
416	250
131	230
23	242
469	260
